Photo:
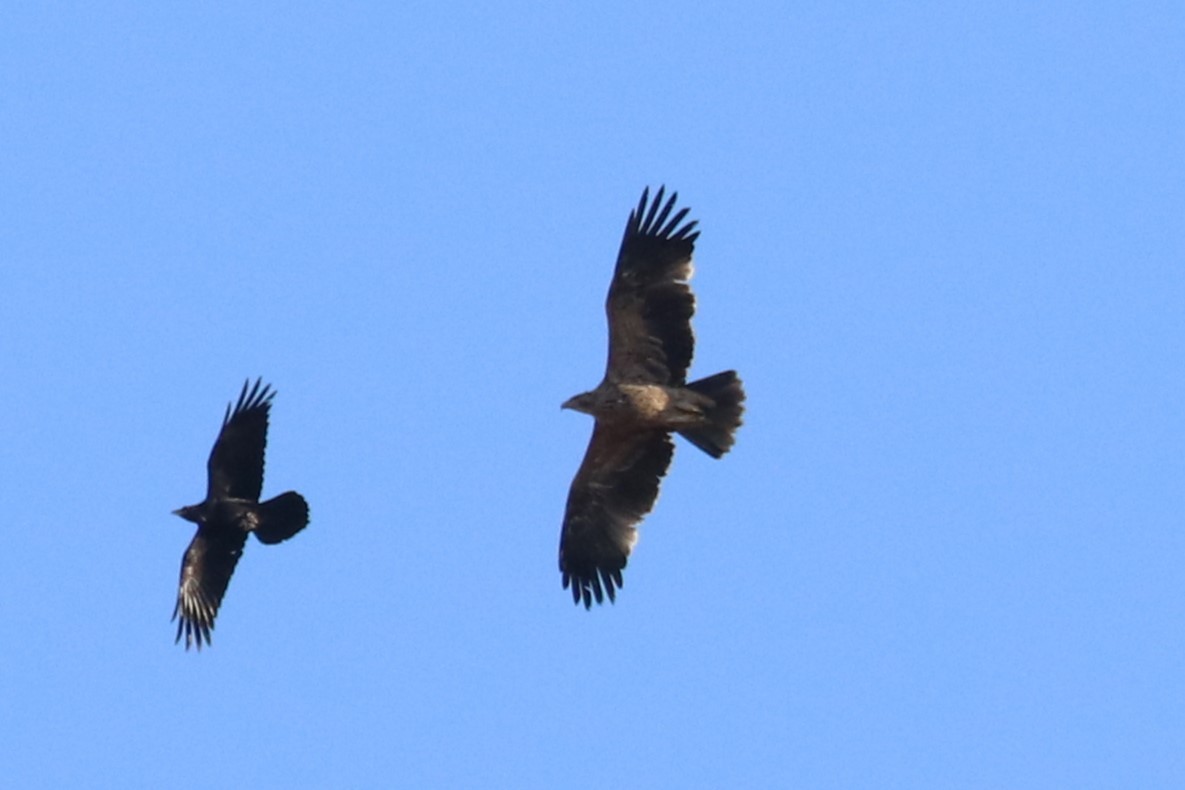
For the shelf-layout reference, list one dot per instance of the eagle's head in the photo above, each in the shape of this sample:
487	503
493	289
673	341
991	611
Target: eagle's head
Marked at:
584	402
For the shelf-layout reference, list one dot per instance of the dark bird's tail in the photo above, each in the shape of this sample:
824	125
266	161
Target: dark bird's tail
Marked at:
715	436
282	517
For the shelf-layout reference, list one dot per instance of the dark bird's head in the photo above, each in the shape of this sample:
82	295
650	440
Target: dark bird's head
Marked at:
584	402
194	513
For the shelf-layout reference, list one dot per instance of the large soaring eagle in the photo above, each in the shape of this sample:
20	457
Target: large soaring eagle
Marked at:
643	397
230	511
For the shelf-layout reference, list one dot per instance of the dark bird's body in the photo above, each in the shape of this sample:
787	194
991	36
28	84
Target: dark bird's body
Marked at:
643	398
230	511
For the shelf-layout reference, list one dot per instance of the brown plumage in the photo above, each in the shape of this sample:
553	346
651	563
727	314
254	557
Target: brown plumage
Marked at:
643	397
229	512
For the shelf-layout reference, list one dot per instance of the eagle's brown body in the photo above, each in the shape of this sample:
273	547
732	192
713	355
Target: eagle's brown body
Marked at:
643	398
643	406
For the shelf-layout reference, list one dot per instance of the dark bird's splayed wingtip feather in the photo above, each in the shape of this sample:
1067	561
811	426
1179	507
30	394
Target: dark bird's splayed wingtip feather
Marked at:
598	584
258	395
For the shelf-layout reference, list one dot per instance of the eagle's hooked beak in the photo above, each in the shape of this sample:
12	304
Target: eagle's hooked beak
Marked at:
581	403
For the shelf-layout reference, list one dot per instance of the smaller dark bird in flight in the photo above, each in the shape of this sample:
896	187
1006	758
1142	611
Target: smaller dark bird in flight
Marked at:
643	397
230	510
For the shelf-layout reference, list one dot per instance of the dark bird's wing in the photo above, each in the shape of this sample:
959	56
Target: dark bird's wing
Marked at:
650	304
615	487
205	572
236	462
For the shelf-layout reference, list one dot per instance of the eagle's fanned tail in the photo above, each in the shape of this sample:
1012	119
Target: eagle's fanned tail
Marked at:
715	436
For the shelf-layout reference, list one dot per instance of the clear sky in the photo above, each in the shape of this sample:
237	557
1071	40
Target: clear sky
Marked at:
942	243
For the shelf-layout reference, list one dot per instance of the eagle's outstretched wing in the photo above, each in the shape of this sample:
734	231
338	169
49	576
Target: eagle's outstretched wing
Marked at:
650	305
614	488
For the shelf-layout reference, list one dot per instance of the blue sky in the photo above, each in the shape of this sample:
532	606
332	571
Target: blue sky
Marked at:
942	243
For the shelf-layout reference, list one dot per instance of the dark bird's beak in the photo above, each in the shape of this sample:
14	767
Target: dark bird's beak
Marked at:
187	513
